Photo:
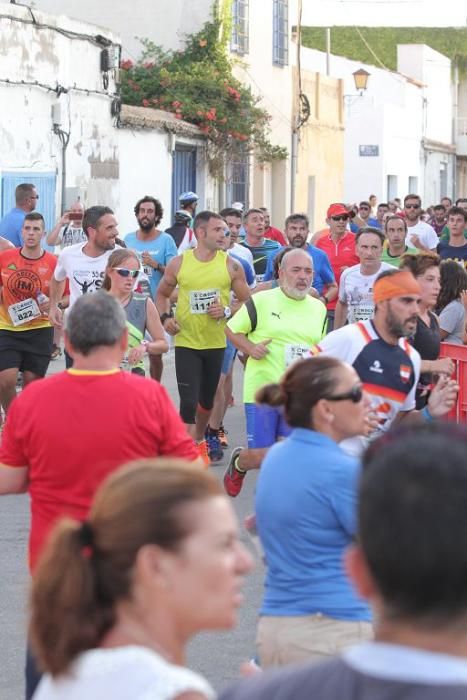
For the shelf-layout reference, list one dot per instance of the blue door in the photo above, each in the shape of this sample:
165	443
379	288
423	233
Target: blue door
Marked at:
183	173
45	184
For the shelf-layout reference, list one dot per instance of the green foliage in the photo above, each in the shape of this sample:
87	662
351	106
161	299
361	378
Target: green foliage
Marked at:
198	86
345	41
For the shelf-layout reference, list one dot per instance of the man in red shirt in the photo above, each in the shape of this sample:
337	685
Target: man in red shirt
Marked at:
339	245
272	232
65	434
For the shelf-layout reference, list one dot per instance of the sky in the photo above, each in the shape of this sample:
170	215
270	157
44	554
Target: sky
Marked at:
380	13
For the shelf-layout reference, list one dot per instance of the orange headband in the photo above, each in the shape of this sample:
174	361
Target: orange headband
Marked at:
401	284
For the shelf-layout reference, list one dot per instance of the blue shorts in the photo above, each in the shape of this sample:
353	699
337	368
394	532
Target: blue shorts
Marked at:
264	425
229	357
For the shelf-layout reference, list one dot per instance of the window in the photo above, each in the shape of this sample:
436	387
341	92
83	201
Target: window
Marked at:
183	173
239	40
413	184
238	172
280	32
392	187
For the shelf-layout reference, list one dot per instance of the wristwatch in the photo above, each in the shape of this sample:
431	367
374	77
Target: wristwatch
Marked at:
165	316
145	344
227	312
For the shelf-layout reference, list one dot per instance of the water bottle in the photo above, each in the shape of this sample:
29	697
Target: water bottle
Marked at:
41	298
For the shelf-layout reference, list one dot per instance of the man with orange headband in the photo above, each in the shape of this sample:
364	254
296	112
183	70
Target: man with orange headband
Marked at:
387	365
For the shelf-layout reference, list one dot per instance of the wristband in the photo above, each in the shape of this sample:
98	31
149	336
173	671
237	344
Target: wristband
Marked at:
427	415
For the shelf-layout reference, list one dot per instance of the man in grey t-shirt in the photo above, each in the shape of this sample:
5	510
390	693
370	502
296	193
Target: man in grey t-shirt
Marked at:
411	564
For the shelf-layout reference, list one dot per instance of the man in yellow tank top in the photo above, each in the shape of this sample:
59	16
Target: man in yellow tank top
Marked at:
205	277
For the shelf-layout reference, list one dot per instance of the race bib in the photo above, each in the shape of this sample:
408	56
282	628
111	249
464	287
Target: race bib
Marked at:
295	352
201	300
363	312
23	312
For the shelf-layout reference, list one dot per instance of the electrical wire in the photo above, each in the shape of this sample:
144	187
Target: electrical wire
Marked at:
58	89
96	40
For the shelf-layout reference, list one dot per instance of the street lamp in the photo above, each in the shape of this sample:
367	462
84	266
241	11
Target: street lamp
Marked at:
361	83
361	79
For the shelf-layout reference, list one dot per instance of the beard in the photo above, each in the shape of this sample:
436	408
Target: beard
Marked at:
146	224
396	327
298	242
295	293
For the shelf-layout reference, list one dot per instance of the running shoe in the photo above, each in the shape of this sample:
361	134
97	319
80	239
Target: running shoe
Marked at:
214	446
56	352
233	477
203	452
222	437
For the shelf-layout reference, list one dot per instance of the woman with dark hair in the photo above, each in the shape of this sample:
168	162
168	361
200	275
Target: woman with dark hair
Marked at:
452	303
116	599
121	275
427	338
305	515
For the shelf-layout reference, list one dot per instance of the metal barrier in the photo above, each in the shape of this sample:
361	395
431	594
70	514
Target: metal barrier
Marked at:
458	353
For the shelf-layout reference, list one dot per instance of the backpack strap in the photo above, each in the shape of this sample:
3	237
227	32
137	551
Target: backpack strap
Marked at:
252	313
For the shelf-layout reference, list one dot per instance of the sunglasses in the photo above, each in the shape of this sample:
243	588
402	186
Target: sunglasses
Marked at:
365	208
355	395
412	206
125	272
341	217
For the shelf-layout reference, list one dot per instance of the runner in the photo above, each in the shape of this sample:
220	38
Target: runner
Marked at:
259	246
181	232
355	302
83	264
26	334
339	245
205	277
155	249
233	219
121	275
297	228
388	366
274	329
395	246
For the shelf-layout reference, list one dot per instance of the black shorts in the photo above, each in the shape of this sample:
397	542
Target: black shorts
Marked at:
29	351
198	373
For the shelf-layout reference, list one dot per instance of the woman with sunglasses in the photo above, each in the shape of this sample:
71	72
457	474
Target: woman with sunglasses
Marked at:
305	515
121	275
116	599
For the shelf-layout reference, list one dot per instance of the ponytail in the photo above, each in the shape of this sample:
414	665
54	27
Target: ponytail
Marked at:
67	614
271	395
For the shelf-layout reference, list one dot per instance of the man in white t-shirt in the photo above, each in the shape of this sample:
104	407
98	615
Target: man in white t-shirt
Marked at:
233	219
419	234
355	300
69	228
84	264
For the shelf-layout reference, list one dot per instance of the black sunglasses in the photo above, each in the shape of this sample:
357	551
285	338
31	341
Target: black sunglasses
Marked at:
341	217
412	206
355	395
125	272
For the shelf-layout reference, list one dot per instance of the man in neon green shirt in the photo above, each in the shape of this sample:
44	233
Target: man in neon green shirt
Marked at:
274	328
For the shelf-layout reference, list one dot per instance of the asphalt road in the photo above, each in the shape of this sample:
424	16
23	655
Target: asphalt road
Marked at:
217	655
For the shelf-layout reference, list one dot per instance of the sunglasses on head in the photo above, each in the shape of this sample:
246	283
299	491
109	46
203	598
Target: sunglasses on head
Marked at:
125	272
412	206
341	217
355	395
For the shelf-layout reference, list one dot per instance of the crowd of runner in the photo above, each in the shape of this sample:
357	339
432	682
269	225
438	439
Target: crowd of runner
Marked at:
338	336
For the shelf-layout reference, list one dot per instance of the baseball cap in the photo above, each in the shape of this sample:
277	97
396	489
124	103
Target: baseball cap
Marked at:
336	210
238	205
182	215
188	197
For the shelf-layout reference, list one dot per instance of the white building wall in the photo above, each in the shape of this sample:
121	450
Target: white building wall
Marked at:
27	142
388	115
165	23
146	169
